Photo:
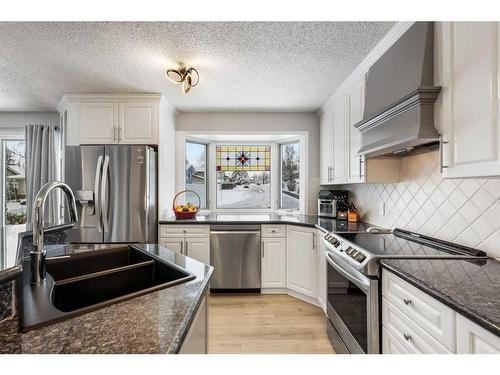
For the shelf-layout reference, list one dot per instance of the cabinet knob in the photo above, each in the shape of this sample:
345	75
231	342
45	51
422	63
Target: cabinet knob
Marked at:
407	301
273	231
407	337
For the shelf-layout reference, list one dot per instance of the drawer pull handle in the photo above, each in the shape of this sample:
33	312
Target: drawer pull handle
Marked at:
407	301
273	231
407	337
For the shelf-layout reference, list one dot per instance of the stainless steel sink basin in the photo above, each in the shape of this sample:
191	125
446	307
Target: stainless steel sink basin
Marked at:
93	279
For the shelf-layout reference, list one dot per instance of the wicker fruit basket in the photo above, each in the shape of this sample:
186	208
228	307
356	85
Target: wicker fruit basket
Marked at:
188	210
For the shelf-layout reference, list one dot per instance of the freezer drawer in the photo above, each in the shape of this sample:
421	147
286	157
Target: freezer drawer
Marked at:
235	256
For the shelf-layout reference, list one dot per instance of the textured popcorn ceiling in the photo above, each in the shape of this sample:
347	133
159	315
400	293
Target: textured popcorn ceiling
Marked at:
287	66
465	211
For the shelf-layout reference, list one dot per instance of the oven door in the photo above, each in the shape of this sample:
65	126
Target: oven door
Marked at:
352	307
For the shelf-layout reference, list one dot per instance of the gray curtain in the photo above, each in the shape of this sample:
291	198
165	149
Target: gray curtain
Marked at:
43	158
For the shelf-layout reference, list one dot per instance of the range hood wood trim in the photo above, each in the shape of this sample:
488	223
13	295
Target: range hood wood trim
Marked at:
419	97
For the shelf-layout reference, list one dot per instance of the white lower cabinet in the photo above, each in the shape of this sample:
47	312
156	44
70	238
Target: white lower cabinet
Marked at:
301	260
273	262
198	248
192	241
473	339
321	272
408	333
390	345
415	322
173	243
196	340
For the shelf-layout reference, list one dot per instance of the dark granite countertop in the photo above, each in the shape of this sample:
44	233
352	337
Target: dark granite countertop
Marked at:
472	289
153	323
313	221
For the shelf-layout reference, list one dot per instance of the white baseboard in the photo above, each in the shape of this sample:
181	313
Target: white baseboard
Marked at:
274	291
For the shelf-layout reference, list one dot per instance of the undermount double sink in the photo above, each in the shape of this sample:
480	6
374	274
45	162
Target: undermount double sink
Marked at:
93	279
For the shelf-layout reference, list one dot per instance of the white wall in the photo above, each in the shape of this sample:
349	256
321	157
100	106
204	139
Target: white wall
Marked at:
285	122
21	119
166	159
465	211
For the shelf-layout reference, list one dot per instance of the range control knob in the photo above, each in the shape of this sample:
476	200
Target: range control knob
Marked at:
360	257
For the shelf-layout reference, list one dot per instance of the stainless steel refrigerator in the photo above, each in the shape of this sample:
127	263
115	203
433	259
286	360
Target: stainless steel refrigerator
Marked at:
115	189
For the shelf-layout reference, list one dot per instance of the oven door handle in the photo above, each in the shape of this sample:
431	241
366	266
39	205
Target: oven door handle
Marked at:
360	280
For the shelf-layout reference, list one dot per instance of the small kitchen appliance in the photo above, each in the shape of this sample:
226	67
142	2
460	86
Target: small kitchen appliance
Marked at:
330	202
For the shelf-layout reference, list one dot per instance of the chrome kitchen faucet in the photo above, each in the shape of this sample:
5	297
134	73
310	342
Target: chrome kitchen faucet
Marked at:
37	255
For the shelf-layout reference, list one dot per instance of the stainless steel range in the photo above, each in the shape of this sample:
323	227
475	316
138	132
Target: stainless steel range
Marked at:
353	276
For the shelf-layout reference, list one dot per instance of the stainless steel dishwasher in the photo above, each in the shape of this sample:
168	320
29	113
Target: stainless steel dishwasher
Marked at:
235	256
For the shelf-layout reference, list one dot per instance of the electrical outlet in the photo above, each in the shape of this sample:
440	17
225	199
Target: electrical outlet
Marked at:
381	208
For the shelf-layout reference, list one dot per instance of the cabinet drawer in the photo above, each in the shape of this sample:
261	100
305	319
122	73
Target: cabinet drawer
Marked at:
269	230
194	230
409	335
431	315
390	345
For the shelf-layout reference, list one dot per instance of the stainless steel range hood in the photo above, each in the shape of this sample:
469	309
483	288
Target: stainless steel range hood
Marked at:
399	101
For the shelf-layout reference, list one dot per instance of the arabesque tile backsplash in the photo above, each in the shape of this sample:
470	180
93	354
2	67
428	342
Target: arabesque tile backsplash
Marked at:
465	211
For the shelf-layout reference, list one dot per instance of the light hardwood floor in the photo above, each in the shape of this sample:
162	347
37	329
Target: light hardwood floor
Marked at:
265	324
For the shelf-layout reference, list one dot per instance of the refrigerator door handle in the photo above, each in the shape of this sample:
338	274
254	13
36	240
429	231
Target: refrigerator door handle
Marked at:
97	193
104	196
147	198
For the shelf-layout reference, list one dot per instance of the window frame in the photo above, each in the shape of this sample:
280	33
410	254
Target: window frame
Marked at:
207	173
279	201
7	135
183	136
272	184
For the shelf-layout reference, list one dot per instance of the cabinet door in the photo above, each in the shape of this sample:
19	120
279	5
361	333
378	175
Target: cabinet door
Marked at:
468	114
473	339
321	271
355	107
339	141
99	123
172	243
198	248
196	340
301	260
326	146
138	123
273	263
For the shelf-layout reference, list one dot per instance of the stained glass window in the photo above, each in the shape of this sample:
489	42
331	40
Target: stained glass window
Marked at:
243	158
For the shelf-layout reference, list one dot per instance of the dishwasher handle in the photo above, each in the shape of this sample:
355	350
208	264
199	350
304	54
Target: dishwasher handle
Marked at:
235	232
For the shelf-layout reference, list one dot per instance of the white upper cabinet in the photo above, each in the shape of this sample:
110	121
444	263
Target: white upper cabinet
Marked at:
301	260
99	122
467	69
111	119
138	122
339	141
355	105
326	146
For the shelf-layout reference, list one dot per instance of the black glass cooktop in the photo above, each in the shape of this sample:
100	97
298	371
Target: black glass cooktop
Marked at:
399	244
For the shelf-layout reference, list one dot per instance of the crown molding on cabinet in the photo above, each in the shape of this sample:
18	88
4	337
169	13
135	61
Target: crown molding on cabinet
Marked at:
138	97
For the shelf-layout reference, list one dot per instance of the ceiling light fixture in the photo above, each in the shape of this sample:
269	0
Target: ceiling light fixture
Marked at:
188	77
